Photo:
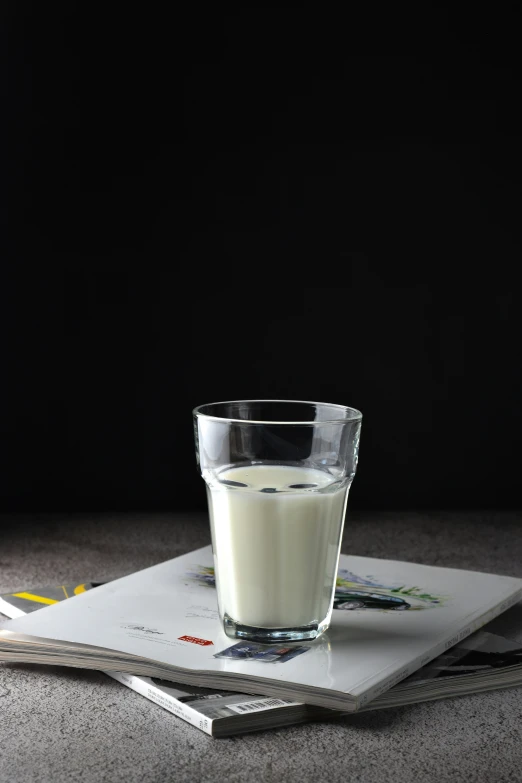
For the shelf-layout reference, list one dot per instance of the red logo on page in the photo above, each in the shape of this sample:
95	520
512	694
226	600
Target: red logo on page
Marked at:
195	640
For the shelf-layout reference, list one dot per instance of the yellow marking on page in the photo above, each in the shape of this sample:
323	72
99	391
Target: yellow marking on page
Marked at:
64	590
39	598
79	589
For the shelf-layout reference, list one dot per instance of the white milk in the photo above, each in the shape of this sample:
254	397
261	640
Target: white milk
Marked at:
276	545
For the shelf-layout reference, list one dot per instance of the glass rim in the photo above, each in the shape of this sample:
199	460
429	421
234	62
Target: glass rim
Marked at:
355	416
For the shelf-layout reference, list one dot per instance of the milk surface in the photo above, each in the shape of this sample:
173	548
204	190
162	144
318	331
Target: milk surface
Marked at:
276	534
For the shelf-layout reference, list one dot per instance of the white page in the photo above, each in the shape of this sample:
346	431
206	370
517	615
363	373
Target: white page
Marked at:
146	613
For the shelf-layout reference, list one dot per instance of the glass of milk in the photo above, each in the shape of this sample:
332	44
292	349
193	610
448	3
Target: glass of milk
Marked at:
278	473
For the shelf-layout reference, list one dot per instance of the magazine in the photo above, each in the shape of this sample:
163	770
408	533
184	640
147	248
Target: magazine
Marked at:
390	619
483	661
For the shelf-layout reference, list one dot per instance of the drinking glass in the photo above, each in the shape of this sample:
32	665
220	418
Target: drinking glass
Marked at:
277	473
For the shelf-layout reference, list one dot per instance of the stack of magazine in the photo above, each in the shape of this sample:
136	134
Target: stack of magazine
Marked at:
401	633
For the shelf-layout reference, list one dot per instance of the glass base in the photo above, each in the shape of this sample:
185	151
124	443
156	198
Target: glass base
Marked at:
272	635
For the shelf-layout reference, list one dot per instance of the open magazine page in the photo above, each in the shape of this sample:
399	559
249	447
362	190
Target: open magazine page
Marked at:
483	661
388	616
508	624
480	653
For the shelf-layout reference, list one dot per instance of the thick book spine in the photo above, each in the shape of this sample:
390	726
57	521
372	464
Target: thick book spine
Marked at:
166	701
455	635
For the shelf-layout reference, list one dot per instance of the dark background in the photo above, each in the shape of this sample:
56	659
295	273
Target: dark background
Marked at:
260	202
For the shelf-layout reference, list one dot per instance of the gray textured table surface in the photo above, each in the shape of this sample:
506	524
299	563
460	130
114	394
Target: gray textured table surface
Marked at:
62	725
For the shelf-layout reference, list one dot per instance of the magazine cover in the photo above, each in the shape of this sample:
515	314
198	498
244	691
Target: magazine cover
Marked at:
481	653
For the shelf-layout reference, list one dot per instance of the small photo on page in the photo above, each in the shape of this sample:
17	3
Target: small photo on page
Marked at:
250	651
